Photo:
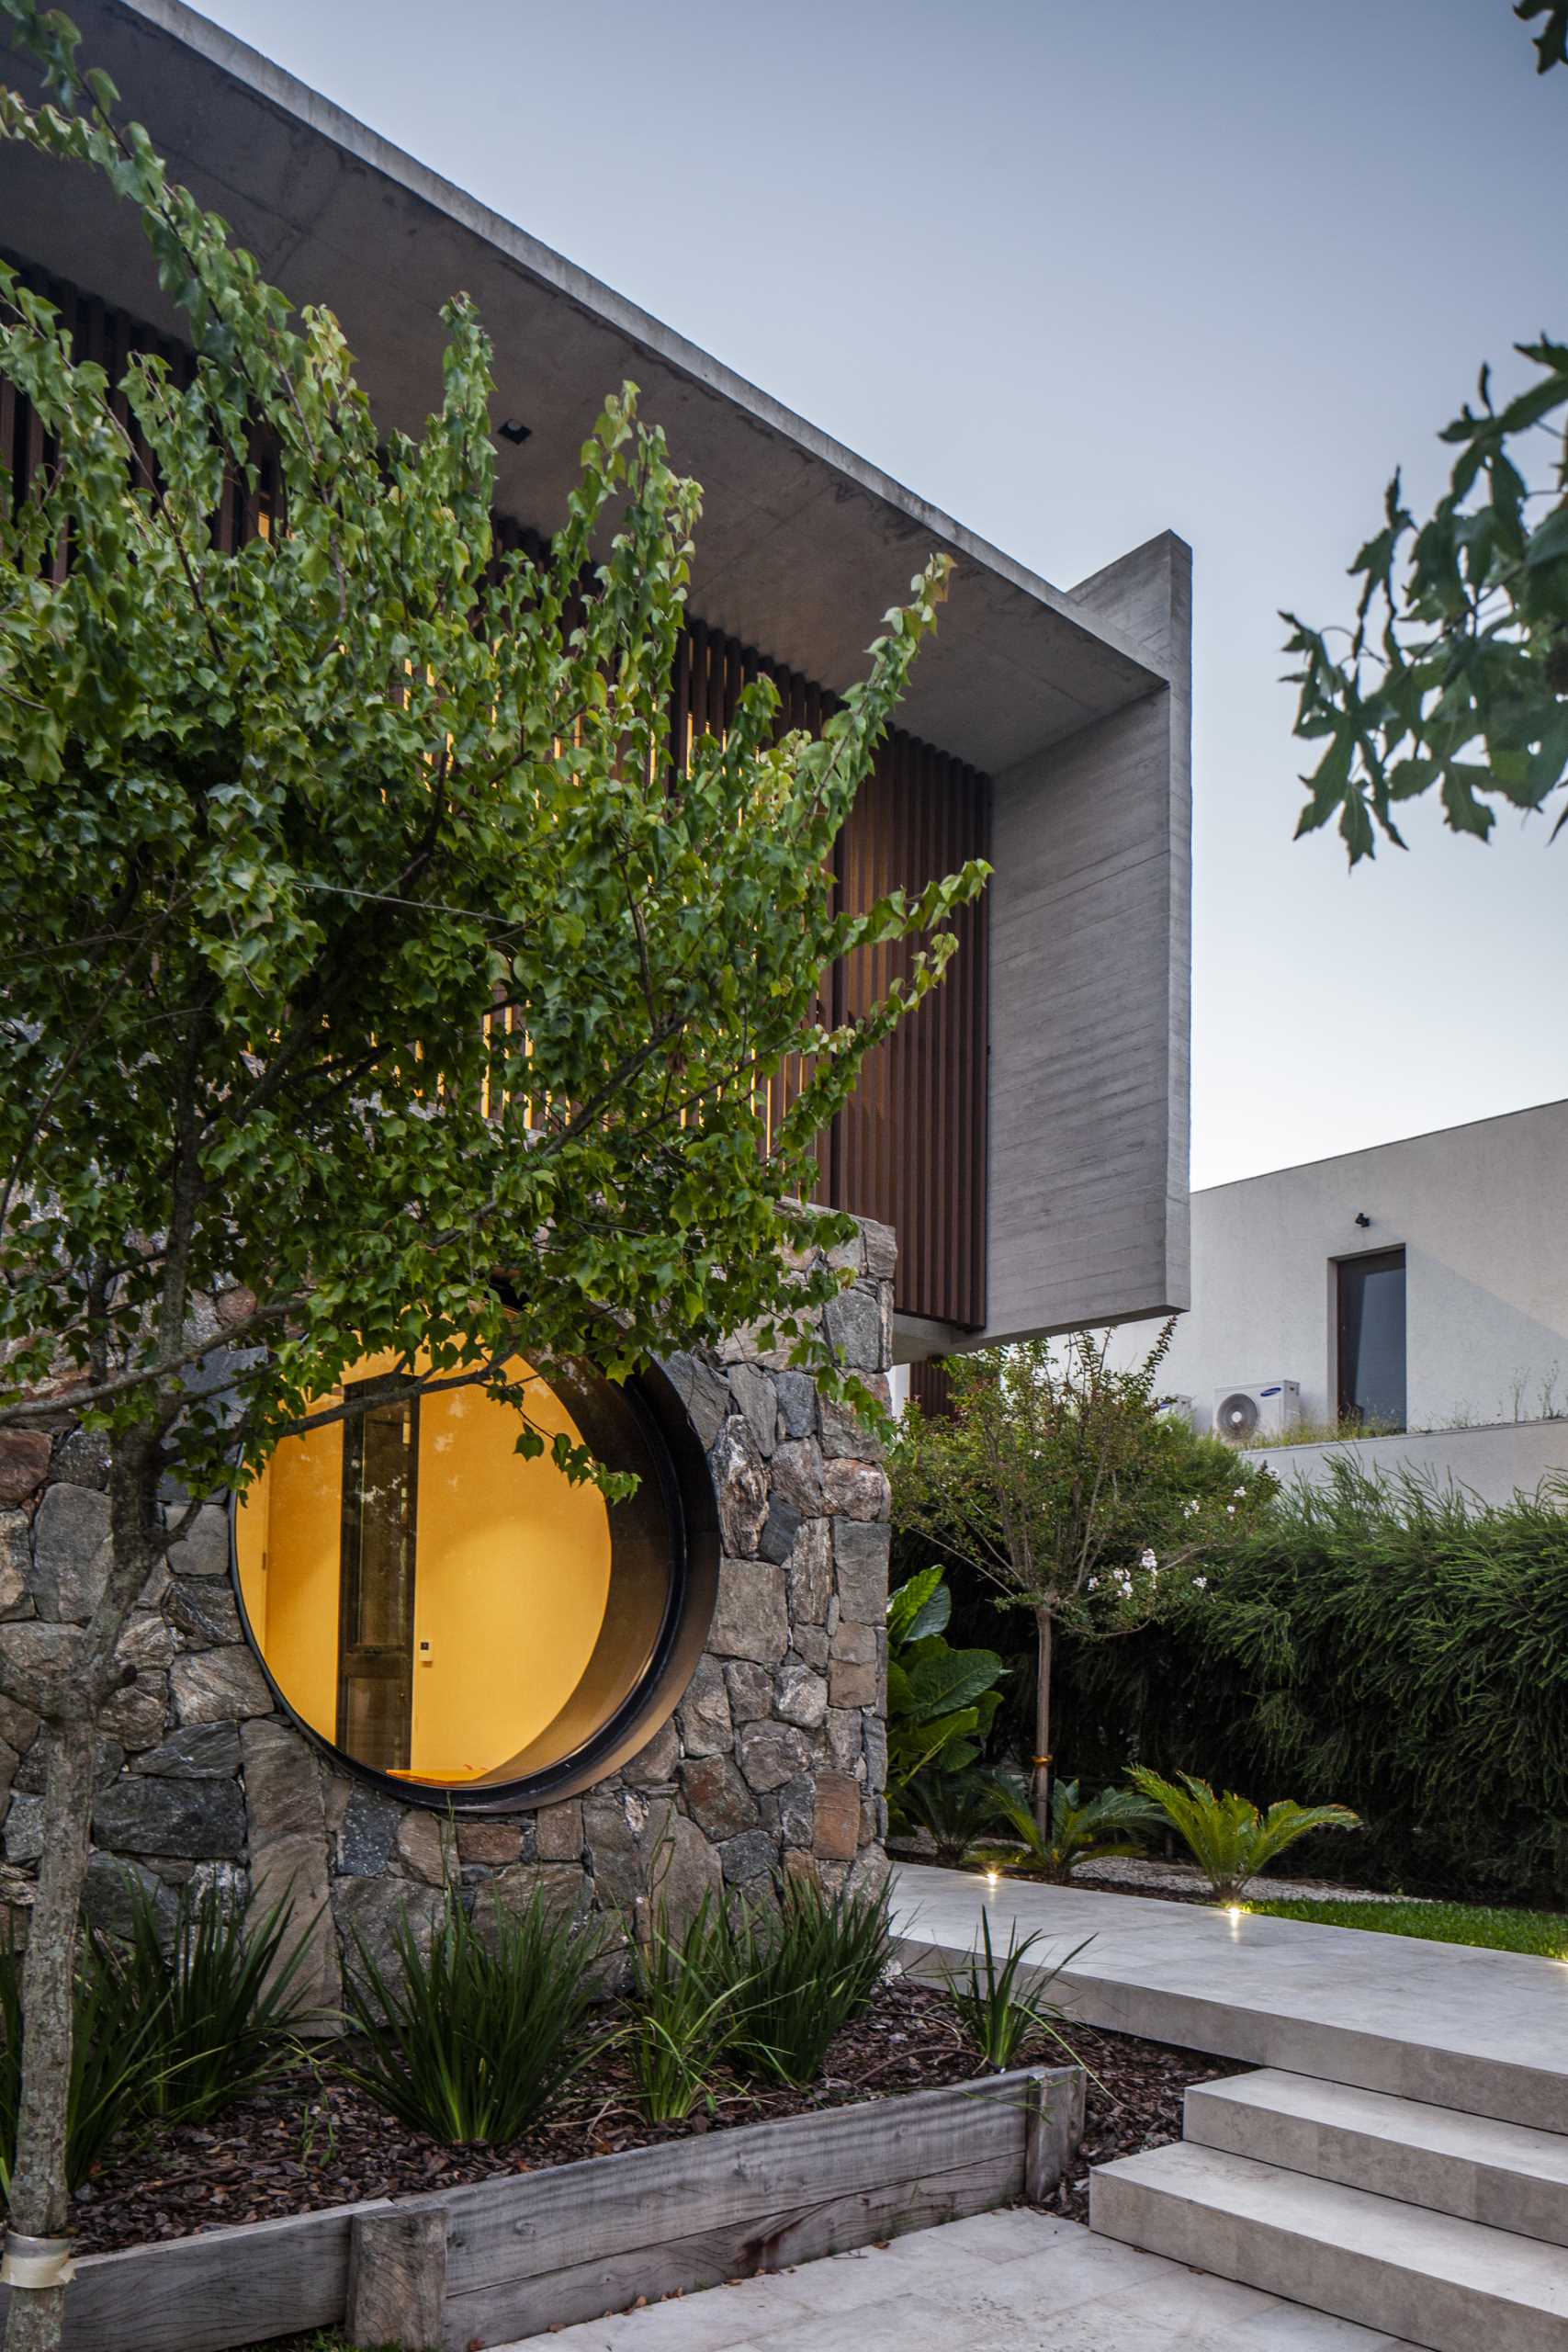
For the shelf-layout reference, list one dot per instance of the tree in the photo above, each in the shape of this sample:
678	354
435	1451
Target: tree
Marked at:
374	981
1456	672
1058	1478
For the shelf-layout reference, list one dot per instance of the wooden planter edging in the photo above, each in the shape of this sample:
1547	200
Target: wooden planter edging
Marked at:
509	2257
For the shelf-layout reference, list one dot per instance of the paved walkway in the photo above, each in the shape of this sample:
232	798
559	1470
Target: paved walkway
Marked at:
1016	2281
1484	2031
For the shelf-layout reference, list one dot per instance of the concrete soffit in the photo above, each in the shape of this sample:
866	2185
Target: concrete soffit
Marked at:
803	544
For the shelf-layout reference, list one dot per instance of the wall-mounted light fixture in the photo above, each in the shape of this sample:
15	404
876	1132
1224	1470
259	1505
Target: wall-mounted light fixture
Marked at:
515	432
1362	1219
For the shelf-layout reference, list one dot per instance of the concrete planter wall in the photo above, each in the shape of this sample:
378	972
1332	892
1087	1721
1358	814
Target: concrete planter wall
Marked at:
773	1761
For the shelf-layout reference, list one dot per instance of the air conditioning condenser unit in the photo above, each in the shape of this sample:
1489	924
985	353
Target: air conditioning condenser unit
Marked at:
1244	1414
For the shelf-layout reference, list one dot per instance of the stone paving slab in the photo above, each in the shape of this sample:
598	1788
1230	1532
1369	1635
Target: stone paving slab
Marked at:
1015	2281
1484	2031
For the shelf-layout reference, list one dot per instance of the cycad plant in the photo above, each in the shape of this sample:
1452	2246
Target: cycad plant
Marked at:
470	2039
1095	1829
799	1975
1229	1839
953	1809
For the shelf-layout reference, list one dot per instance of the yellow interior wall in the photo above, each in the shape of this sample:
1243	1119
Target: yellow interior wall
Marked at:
291	1547
511	1587
512	1584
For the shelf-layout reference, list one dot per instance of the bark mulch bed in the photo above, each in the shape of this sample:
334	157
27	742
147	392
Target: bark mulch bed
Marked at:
1132	2102
311	2142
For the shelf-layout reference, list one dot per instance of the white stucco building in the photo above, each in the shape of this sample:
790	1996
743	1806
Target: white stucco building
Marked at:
1421	1287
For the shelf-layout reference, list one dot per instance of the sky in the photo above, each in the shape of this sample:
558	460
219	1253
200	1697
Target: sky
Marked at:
1079	271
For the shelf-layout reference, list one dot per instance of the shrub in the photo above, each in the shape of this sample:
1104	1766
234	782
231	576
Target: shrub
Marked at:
1096	1830
470	2040
799	1975
1376	1642
1229	1839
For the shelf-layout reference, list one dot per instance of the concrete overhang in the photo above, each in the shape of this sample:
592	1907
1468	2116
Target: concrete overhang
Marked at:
802	545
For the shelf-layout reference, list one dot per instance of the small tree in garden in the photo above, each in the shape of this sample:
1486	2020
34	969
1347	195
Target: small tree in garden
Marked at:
373	985
1058	1479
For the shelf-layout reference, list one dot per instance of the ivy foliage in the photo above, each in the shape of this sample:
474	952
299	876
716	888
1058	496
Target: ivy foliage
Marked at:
1455	675
369	969
1374	1644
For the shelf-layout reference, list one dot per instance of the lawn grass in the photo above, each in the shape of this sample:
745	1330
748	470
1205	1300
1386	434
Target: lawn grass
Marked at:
1449	1923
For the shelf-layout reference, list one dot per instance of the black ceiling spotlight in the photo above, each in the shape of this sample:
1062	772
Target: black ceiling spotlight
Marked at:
515	432
1363	1218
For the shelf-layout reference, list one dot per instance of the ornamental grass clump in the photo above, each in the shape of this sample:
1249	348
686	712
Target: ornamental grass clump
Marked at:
470	2039
223	1991
1229	1839
115	2059
687	2012
999	2009
800	1974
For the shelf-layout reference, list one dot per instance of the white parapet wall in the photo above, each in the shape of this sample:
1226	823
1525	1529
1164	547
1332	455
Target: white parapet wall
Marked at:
1491	1463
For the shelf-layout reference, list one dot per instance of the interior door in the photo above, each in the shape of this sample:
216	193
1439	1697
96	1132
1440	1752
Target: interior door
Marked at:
376	1623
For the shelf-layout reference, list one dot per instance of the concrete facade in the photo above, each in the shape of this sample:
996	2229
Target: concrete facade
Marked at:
1478	1212
1090	991
1075	703
1491	1465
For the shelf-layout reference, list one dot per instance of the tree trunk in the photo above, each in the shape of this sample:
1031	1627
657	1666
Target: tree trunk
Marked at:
1044	1631
41	2199
40	2195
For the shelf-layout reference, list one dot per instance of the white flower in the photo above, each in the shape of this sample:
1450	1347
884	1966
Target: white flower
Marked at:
1148	1560
1093	1585
1241	1494
1230	1511
1191	1510
1199	1584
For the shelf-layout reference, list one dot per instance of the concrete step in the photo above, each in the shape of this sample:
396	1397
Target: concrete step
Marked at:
1453	2286
1470	2166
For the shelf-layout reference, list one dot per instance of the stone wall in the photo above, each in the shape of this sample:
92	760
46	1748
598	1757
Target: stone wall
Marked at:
773	1761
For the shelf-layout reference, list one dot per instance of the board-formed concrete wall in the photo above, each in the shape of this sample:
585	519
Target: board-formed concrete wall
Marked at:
773	1762
1090	986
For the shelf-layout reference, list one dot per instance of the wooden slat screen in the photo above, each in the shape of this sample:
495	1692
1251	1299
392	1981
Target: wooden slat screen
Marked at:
910	1147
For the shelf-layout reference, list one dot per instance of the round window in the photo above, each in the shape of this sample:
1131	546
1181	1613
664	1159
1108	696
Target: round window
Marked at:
469	1624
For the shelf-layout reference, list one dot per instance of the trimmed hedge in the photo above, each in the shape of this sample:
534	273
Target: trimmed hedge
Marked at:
1377	1644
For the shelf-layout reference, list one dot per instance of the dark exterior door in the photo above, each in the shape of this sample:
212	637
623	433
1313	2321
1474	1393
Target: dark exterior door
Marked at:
375	1691
1372	1338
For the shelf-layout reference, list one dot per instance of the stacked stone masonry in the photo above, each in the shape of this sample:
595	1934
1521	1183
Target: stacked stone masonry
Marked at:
772	1764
